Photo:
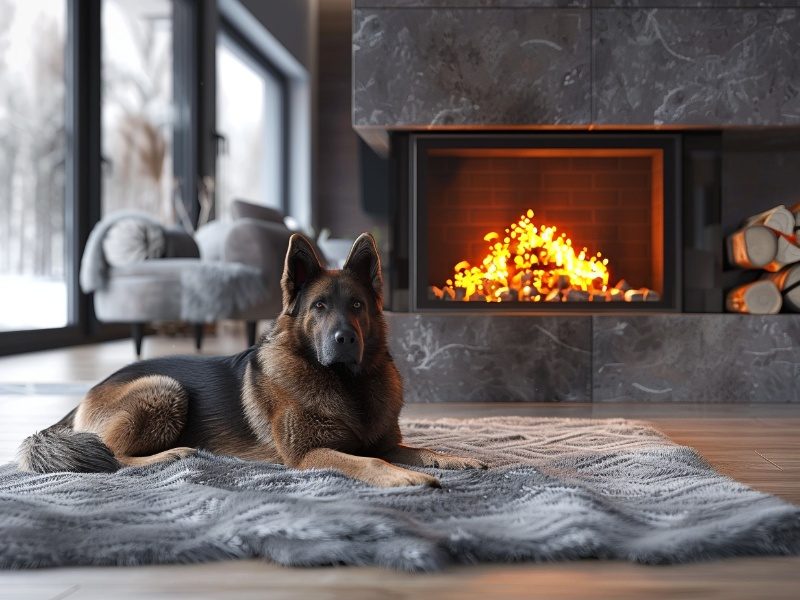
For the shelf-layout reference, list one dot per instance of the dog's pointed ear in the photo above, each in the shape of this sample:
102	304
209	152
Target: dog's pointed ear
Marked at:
299	268
365	263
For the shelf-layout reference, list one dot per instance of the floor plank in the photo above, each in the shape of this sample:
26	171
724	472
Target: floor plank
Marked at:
732	579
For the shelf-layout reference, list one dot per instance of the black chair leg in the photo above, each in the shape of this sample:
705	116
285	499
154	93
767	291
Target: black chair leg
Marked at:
252	326
198	336
137	333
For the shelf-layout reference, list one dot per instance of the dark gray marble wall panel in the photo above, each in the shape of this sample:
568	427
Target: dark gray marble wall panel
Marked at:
574	3
696	66
695	3
471	66
471	3
696	358
497	358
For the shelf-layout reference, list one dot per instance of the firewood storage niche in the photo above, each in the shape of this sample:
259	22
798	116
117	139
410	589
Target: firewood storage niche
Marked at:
543	222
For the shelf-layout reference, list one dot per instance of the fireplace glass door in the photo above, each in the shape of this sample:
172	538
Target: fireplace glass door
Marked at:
541	222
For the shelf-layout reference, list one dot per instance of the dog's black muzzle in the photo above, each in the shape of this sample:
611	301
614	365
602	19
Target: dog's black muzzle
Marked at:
344	345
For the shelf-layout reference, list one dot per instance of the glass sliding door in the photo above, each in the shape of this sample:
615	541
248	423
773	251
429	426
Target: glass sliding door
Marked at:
137	107
88	125
34	290
250	123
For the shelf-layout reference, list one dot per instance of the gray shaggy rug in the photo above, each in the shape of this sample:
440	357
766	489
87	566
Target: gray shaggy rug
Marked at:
557	489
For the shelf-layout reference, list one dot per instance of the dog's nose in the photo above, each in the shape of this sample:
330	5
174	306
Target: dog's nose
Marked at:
345	336
344	345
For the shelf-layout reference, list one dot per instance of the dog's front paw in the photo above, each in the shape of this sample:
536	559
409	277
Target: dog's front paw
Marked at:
446	461
386	475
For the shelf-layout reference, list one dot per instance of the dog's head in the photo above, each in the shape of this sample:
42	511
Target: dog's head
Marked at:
337	313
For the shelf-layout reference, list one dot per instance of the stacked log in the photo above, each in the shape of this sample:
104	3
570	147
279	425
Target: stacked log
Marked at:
788	282
758	298
769	242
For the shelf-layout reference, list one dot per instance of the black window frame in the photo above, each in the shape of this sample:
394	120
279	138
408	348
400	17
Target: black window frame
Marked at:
186	146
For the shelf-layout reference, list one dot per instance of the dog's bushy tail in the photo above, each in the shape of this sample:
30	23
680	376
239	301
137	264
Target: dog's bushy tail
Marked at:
61	448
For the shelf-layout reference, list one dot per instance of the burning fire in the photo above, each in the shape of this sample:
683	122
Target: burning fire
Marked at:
535	263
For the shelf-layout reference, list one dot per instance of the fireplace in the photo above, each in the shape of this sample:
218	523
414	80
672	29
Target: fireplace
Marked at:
574	115
539	222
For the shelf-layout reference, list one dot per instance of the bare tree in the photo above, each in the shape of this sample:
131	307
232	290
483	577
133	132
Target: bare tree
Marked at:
8	143
32	153
49	151
141	145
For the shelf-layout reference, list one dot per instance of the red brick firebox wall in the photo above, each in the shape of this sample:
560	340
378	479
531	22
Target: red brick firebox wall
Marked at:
603	203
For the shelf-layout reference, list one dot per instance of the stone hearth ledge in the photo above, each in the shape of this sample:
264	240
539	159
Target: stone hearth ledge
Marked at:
709	358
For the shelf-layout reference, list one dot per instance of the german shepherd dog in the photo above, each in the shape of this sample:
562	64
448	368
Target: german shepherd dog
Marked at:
319	391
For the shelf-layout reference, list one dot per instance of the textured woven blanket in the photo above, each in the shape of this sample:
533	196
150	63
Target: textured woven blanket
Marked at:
557	489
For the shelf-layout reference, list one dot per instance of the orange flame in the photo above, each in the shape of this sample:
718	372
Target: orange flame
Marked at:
530	262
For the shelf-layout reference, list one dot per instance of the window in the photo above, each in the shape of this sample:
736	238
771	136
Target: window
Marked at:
250	121
34	290
137	107
104	106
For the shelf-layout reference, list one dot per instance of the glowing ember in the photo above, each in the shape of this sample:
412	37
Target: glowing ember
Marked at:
535	263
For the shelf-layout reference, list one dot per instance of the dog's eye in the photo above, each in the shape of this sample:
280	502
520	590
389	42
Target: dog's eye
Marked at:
320	305
356	304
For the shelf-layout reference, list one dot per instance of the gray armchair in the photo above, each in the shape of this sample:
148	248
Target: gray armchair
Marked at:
141	272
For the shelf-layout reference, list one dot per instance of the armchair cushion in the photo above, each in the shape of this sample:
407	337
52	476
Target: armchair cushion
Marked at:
241	209
132	240
94	266
179	244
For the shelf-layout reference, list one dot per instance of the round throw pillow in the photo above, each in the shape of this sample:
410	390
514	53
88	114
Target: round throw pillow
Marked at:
133	240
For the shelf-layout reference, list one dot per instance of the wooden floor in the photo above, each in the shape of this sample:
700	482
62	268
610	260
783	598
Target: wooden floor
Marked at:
757	444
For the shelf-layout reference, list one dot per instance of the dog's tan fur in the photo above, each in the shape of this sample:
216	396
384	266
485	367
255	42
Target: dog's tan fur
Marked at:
289	405
139	420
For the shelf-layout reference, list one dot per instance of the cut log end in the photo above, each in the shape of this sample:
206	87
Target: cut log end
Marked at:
758	298
788	282
752	247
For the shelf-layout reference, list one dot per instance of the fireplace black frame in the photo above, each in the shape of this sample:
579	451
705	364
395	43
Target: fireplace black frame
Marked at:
417	243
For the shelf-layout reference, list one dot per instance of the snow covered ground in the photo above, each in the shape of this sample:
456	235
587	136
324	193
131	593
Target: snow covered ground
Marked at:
27	302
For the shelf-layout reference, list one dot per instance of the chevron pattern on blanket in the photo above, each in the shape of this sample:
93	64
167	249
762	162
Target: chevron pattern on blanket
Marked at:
557	489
